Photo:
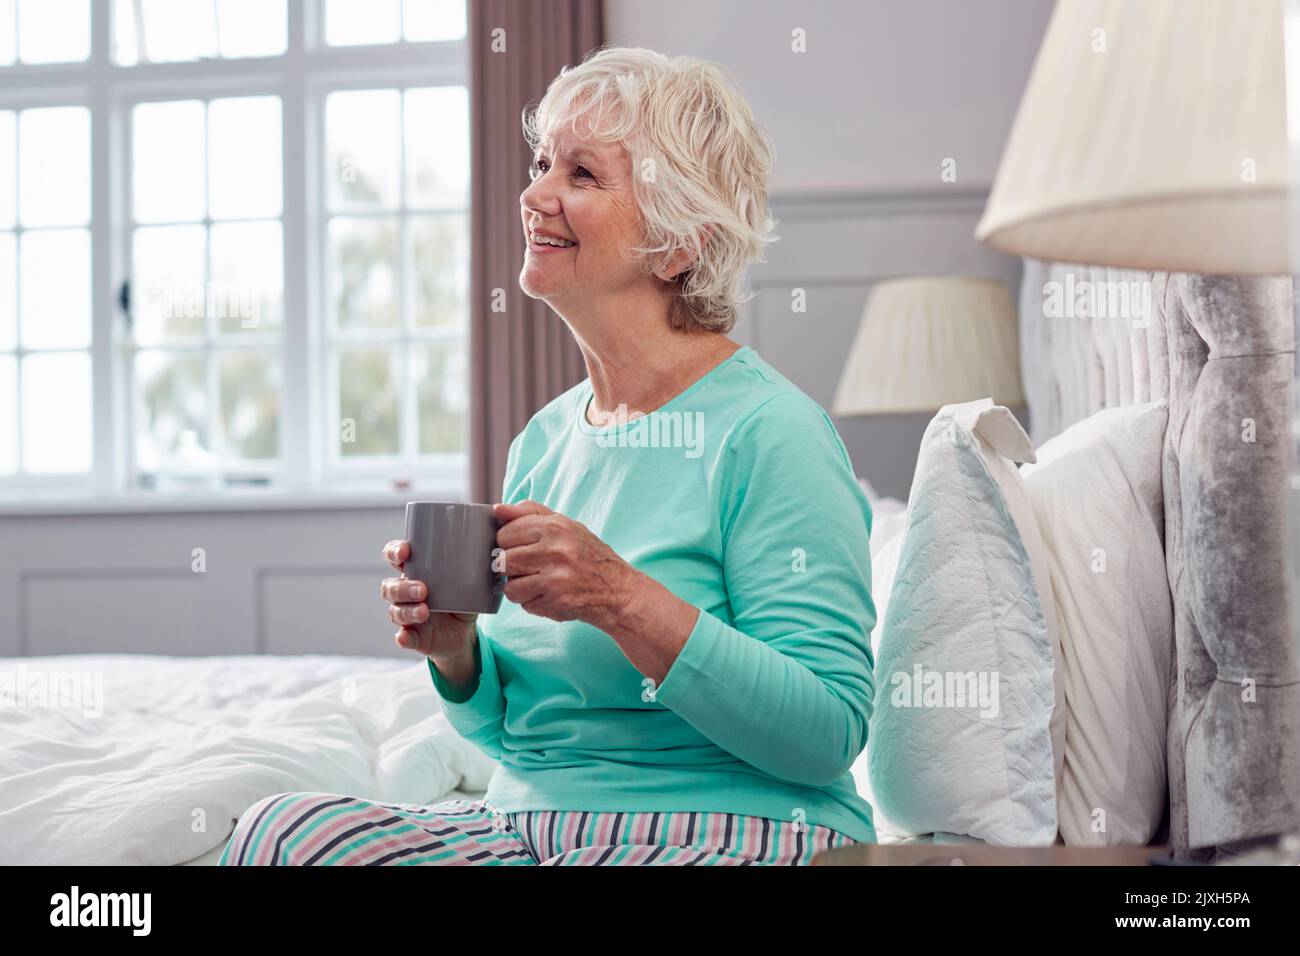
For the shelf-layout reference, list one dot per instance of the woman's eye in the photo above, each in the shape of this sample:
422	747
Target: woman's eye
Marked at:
540	166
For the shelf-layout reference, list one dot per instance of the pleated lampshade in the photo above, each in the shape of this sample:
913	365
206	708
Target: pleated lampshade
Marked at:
1151	135
929	341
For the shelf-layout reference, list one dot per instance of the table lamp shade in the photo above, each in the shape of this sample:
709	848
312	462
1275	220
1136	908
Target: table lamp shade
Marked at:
926	342
1151	135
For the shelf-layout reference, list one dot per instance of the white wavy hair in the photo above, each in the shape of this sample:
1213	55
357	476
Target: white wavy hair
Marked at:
700	165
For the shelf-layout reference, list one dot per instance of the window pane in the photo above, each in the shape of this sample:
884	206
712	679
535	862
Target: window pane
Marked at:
244	157
363	273
171	424
56	412
53	31
8	415
433	19
367	402
352	22
54	166
169	298
250	404
253	28
8	291
441	372
436	123
126	45
178	29
246	293
8	38
8	170
440	269
54	270
167	156
363	133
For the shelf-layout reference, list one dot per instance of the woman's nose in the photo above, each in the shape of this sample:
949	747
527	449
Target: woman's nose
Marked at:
540	197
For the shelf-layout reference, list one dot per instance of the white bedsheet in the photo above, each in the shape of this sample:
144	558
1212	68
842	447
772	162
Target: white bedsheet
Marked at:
184	745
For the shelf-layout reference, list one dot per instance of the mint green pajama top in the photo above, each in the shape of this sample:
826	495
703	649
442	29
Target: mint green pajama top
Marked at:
739	497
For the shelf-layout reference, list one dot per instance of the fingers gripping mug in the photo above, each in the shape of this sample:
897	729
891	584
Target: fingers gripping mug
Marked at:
453	547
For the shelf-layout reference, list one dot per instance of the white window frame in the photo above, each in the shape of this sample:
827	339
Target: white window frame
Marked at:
301	77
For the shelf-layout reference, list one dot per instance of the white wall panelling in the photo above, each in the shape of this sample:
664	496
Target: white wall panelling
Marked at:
294	581
835	247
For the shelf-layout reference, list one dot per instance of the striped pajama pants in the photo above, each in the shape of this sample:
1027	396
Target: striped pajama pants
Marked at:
320	829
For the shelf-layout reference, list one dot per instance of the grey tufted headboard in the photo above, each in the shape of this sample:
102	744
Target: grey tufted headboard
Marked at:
1221	349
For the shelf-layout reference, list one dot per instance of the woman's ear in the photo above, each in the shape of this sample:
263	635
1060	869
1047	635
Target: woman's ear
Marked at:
682	260
679	263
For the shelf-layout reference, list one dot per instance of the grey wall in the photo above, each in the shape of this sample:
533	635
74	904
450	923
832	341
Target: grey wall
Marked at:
885	91
861	122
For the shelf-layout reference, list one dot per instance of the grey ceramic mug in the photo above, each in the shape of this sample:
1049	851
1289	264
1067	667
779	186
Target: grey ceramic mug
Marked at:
452	545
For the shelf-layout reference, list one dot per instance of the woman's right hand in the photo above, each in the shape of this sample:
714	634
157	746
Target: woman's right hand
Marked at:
446	638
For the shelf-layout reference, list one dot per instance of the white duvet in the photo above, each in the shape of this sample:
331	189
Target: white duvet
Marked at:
178	748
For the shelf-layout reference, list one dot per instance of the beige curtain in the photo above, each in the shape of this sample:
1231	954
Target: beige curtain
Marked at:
524	356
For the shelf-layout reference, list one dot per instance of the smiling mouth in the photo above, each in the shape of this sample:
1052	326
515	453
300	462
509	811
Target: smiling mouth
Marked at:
535	246
542	240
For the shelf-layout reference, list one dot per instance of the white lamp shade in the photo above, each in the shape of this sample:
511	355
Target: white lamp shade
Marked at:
926	342
1152	135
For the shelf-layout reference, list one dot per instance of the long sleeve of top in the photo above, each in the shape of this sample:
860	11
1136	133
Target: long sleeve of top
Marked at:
787	685
477	710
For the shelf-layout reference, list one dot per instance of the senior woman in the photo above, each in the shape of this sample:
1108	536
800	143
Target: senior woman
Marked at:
681	672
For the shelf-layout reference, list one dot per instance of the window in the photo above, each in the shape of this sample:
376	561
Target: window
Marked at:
397	169
233	244
45	327
207	281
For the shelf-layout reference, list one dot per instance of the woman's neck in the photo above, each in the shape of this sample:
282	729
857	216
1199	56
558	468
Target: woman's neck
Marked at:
634	357
643	372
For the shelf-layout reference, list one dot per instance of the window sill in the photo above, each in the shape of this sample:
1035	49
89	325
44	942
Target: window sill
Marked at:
49	504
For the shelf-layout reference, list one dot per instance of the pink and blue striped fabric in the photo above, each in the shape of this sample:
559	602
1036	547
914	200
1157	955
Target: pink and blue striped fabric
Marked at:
322	829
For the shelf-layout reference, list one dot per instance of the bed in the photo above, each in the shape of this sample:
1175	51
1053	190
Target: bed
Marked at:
154	764
1215	356
1222	351
151	759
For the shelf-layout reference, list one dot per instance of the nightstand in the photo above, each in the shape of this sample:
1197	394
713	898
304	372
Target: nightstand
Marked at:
982	854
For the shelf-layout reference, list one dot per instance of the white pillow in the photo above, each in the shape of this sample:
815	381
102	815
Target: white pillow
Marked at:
887	526
1003	441
965	610
1097	491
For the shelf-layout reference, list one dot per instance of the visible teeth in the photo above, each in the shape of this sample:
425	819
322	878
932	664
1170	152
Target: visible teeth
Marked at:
550	241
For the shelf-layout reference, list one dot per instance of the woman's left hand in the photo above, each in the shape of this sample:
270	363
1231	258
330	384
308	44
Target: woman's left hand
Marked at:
558	569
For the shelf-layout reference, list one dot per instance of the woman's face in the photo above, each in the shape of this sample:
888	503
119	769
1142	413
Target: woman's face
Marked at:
581	191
